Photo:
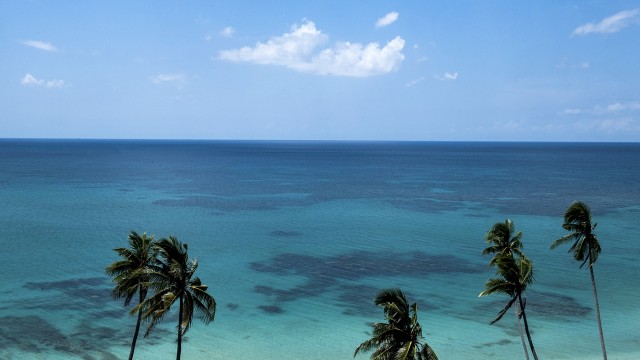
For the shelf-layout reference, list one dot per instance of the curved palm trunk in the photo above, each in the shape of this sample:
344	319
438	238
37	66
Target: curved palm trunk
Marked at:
595	295
526	328
179	330
524	345
143	294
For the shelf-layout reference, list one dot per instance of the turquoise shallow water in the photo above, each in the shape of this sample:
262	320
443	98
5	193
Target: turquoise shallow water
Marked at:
295	239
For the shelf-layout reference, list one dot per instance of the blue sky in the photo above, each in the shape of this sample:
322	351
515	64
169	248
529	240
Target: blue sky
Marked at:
337	70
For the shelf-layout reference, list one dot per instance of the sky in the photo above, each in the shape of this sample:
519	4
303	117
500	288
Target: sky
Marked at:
550	70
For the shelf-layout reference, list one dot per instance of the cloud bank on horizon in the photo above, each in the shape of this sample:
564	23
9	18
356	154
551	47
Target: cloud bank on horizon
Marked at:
299	50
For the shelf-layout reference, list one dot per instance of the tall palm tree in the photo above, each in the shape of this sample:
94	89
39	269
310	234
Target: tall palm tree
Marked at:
515	275
506	245
585	248
172	278
400	338
130	274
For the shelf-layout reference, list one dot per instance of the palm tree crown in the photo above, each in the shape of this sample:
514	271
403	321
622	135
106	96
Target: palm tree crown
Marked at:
586	247
400	338
172	278
516	275
503	241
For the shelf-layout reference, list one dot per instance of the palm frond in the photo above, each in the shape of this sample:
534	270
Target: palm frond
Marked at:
503	311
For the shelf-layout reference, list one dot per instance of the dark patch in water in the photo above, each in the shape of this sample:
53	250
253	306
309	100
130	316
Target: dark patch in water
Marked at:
233	306
552	305
32	334
284	233
66	284
546	305
490	344
358	300
325	274
271	309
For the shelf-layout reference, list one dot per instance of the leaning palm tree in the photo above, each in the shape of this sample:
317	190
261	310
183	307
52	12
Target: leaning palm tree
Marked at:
172	278
585	248
400	338
130	273
505	242
515	275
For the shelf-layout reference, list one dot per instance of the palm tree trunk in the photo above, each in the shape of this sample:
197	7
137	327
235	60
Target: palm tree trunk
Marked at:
143	294
526	328
524	345
179	330
595	295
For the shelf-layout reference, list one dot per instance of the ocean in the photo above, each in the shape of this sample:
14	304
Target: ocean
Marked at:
295	239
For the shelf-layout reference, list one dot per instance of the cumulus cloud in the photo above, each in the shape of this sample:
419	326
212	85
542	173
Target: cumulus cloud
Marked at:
163	78
297	50
387	20
30	80
611	24
40	45
228	31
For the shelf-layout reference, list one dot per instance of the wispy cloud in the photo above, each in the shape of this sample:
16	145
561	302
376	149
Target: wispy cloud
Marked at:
297	50
447	76
611	24
609	125
30	80
228	31
163	78
387	20
415	82
613	108
40	45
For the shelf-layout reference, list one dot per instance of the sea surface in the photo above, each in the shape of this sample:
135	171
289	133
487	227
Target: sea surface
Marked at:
295	239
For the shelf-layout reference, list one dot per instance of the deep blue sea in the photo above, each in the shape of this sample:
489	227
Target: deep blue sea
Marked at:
295	239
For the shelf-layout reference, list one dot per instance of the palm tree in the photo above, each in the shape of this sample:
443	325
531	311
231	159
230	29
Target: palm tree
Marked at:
506	244
516	274
130	274
172	277
400	338
585	248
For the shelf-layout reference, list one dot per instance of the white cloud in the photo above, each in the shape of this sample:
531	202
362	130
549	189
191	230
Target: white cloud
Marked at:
629	106
609	125
415	81
611	24
297	50
40	45
163	78
228	31
30	80
572	111
451	76
614	108
387	20
447	76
